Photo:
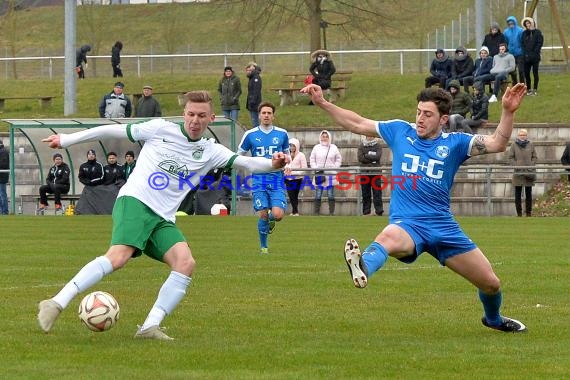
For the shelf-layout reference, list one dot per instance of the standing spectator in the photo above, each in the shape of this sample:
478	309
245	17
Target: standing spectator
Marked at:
116	59
532	41
460	106
115	104
440	69
522	153
293	182
369	154
503	65
148	106
479	109
57	183
493	39
4	165
513	36
565	159
130	163
91	172
482	71
325	155
113	172
269	198
80	59
322	68
229	89
462	65
252	71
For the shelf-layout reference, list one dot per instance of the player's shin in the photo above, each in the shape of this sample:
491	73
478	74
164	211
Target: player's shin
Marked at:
374	257
169	296
492	306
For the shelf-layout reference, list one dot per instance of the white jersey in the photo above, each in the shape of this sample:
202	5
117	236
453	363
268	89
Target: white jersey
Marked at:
168	163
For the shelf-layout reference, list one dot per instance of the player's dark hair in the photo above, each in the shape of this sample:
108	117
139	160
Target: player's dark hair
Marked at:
198	97
266	104
440	97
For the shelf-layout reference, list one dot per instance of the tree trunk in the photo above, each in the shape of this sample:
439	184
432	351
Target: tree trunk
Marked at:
315	18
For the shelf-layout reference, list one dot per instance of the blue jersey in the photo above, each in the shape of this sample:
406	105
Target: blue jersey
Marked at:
422	169
262	143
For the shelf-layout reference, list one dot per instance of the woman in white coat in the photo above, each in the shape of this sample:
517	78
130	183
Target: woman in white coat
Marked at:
325	155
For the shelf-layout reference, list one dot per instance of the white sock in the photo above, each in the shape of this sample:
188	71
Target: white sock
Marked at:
88	276
169	296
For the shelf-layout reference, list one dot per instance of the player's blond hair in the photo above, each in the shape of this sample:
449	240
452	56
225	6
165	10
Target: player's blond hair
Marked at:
201	96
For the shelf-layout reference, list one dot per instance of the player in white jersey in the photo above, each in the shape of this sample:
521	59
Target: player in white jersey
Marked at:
170	164
269	196
420	216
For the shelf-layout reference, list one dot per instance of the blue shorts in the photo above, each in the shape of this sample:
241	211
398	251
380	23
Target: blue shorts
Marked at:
269	198
441	238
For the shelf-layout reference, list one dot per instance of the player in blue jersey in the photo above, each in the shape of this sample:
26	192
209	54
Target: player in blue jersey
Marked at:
269	196
420	215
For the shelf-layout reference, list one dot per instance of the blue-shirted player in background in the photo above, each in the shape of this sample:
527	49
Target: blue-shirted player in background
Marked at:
420	215
269	196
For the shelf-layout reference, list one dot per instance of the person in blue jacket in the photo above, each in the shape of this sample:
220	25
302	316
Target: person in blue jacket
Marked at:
513	35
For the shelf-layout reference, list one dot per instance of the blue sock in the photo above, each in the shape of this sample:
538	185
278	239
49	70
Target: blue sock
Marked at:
374	257
492	305
263	228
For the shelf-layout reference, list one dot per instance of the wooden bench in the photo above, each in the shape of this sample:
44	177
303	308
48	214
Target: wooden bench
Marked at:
294	82
45	101
71	198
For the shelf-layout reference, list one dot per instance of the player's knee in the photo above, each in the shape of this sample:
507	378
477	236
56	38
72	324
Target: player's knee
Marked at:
492	285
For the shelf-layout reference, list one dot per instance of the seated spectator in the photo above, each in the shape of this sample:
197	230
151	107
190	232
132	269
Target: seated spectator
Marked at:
57	183
96	197
148	106
114	173
440	69
115	104
479	110
91	172
462	65
503	65
460	106
565	159
482	70
130	163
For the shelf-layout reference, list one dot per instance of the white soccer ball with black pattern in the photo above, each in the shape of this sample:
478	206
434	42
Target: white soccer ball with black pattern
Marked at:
99	311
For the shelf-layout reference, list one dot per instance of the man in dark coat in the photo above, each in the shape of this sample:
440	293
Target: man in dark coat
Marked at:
116	59
80	59
253	92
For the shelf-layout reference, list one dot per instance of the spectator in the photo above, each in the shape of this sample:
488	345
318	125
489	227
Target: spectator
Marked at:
440	69
148	106
503	65
80	59
91	172
252	71
114	173
325	155
462	65
229	89
493	39
513	37
369	154
522	153
4	165
532	41
116	59
460	106
565	159
130	163
115	104
293	182
322	68
479	109
57	183
482	71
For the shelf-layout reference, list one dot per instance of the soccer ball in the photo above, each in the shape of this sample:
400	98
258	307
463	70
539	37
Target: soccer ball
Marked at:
99	311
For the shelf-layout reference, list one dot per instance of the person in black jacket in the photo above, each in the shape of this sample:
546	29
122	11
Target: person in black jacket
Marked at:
493	39
369	154
114	172
57	183
91	173
254	85
440	69
116	59
4	165
322	68
565	159
479	110
532	41
80	59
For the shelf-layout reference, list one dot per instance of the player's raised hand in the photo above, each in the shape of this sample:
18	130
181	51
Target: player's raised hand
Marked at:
279	160
53	141
513	97
315	92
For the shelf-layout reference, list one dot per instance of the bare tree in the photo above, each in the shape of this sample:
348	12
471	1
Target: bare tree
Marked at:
10	28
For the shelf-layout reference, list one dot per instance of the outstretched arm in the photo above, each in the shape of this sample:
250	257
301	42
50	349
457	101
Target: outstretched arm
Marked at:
497	142
117	131
347	119
261	164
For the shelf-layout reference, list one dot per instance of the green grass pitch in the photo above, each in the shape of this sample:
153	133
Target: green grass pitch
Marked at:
292	314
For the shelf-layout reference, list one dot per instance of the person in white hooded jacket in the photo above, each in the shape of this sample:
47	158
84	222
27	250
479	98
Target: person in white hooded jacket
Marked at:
293	182
325	155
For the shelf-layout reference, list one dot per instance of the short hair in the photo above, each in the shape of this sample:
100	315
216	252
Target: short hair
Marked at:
201	96
504	44
130	153
440	97
266	104
111	154
251	65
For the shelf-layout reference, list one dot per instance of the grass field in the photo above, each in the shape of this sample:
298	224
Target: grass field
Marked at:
293	314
